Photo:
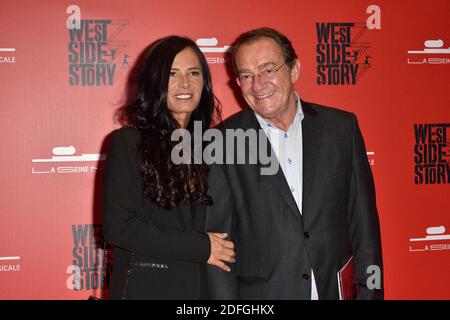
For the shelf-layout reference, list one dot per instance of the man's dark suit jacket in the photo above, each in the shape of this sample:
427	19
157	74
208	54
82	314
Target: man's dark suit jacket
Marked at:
158	253
276	245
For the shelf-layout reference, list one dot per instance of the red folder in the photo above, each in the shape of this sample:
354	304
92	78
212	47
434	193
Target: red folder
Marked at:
348	288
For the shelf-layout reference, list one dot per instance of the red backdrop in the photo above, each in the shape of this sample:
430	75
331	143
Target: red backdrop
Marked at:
55	127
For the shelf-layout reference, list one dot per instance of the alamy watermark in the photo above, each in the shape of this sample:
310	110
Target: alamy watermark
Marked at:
374	280
231	146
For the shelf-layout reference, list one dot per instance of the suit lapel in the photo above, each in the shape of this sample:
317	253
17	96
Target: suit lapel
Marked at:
280	184
312	136
278	180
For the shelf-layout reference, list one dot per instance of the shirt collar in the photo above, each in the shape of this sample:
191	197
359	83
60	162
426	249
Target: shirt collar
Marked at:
298	116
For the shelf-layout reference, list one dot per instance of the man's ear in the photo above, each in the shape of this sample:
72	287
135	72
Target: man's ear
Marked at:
295	71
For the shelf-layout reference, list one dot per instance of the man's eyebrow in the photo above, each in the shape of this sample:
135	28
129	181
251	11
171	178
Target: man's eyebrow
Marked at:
266	64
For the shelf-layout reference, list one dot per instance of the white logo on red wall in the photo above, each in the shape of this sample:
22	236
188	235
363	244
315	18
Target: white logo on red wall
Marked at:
371	157
213	53
435	240
62	155
7	55
9	264
433	53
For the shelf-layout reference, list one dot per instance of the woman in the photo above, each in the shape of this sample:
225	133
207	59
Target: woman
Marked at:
153	210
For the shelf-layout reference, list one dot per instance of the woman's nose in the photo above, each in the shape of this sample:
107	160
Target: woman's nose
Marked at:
183	81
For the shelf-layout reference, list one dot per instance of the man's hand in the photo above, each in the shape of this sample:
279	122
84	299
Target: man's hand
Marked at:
221	250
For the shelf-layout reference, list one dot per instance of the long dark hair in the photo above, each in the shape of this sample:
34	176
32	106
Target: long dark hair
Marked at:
165	183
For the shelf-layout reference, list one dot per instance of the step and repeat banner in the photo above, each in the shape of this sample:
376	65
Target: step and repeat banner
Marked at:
63	70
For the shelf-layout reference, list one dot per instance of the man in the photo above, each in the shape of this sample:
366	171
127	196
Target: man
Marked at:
294	230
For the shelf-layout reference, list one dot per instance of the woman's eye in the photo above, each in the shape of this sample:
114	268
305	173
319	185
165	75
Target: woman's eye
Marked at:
195	73
173	73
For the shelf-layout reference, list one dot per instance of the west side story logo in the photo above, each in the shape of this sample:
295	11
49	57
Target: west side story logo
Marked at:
432	153
96	54
86	271
343	57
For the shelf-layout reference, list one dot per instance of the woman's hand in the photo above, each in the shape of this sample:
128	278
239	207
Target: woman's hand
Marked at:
221	250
